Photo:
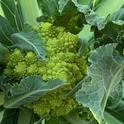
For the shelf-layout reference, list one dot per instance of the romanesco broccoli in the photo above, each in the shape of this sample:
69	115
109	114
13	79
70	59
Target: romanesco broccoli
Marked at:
62	62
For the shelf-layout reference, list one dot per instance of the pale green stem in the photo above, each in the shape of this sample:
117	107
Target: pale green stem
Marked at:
30	11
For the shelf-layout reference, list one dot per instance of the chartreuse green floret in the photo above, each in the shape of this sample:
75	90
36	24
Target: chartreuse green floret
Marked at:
62	62
57	39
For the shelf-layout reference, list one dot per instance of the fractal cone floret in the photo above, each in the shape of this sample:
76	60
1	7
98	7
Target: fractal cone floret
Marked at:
62	62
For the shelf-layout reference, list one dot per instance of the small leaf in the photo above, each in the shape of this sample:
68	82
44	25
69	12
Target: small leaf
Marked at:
29	41
105	74
28	90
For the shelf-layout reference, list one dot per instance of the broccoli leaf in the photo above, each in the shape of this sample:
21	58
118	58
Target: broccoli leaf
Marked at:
13	13
25	116
10	116
111	29
49	8
57	120
117	110
29	41
64	13
113	32
111	119
115	96
5	31
28	90
104	74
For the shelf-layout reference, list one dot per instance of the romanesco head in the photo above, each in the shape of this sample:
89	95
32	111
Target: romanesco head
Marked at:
62	62
57	39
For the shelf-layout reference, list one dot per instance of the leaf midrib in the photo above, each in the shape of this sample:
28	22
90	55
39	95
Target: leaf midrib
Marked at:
22	97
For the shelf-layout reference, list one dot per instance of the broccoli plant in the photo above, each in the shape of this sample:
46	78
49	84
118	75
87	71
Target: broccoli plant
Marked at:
61	62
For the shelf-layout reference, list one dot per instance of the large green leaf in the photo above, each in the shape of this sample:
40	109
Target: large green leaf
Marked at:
13	13
29	41
5	31
64	13
28	90
104	74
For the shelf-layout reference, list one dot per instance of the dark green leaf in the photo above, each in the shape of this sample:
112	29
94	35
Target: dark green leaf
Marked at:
111	29
113	32
10	116
49	8
25	116
13	13
28	90
64	13
66	6
5	31
105	73
29	41
56	120
80	116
